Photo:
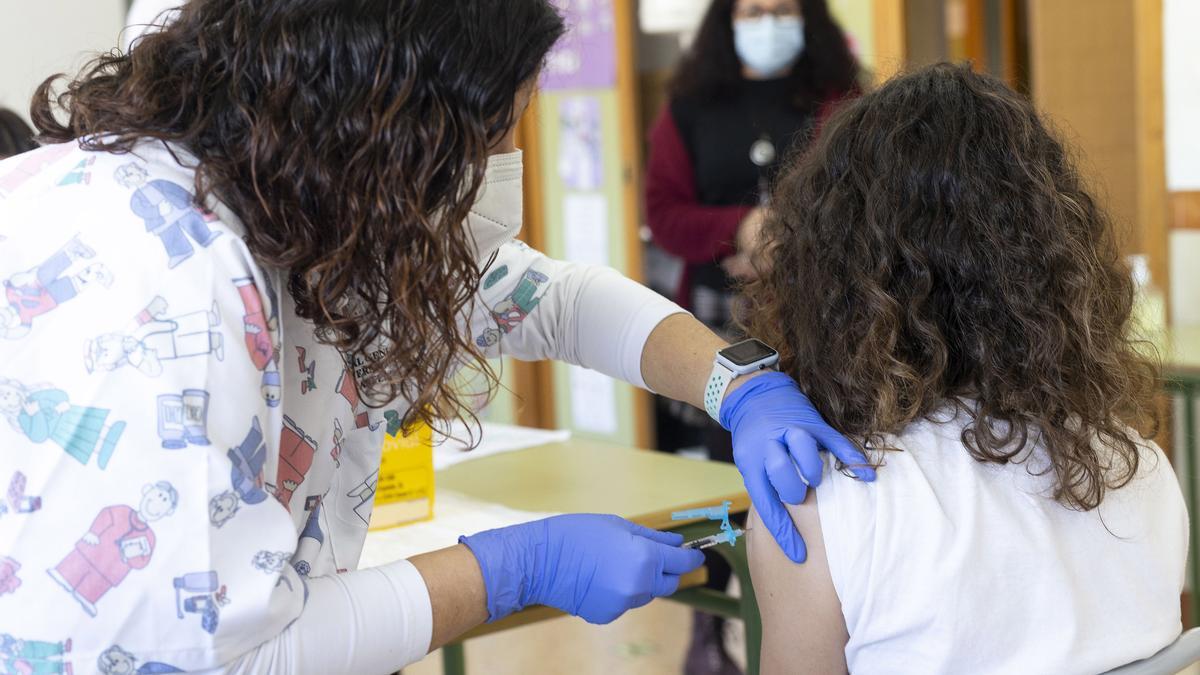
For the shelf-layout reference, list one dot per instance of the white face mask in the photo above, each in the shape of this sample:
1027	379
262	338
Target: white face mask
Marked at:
769	45
495	219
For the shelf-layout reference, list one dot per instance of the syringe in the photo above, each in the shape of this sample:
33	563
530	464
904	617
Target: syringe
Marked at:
723	537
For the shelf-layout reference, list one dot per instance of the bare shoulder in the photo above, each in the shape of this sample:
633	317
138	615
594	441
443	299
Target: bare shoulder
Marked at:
803	627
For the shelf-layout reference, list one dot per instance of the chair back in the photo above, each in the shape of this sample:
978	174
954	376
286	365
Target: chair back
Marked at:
1180	654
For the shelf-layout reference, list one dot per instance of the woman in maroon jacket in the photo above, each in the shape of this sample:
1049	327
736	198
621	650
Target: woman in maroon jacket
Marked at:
754	86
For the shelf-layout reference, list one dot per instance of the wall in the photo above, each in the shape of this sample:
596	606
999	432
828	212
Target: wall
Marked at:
1083	79
1096	73
1181	72
926	32
49	37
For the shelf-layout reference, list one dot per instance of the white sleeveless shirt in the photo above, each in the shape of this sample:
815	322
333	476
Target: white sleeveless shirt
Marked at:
949	565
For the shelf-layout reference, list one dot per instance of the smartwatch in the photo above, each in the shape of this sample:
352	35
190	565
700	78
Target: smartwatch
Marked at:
732	362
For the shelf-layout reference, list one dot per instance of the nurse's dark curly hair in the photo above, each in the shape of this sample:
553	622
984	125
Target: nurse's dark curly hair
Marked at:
938	244
15	136
351	137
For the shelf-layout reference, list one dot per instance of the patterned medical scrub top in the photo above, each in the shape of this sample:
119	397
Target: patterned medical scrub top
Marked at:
179	453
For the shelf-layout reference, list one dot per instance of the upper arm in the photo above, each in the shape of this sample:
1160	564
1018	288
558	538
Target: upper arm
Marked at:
803	627
533	307
508	316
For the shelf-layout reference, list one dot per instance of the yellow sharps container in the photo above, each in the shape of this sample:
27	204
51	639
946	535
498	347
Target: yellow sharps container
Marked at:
404	494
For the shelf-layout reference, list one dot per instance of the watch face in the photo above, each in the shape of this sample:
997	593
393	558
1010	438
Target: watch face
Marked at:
746	352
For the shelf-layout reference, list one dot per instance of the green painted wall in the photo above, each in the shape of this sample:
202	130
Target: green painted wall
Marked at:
555	191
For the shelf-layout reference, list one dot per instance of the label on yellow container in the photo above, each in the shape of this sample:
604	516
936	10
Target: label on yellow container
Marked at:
405	491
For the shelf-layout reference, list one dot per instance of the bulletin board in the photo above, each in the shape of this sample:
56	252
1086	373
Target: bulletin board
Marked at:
582	177
588	171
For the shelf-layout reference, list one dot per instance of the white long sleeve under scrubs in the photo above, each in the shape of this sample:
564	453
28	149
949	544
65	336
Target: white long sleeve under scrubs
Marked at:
185	472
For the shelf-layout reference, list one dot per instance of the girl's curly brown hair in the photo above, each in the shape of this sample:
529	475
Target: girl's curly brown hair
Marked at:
351	138
938	245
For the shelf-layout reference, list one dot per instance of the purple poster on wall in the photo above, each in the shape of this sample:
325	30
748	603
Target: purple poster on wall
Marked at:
586	56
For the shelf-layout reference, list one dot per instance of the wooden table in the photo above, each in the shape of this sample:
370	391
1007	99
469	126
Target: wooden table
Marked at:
581	476
1180	350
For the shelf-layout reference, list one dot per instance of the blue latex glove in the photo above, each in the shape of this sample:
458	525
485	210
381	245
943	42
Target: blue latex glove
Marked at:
776	434
593	566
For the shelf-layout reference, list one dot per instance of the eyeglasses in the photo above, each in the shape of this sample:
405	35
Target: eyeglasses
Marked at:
758	12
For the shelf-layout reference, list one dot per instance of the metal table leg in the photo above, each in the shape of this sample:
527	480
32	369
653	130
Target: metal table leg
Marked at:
454	659
749	605
721	604
1187	390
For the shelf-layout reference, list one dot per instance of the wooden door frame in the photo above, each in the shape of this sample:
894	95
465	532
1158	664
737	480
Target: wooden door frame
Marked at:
888	21
629	124
1150	116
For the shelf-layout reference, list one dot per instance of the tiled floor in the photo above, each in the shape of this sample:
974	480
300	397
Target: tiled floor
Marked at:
647	641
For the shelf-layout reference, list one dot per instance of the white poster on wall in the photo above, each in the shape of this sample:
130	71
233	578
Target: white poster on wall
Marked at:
593	401
580	146
585	228
1181	80
671	16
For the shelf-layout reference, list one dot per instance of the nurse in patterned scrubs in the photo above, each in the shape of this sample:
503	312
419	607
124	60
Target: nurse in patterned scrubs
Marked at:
331	179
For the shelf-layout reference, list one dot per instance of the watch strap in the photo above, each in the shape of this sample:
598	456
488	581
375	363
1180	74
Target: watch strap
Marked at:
714	391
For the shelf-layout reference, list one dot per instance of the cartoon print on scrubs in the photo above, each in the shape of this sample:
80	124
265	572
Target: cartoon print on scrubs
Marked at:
296	452
245	477
168	211
270	562
274	562
364	494
338	437
42	289
394	422
308	381
512	310
42	413
33	164
153	338
117	661
311	539
33	656
200	593
15	499
183	419
81	174
495	276
347	387
8	575
264	353
119	540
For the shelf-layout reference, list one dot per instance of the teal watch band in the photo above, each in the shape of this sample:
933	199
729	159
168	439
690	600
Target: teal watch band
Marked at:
714	391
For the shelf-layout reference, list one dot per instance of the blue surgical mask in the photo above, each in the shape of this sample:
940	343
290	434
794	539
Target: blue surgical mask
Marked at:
769	45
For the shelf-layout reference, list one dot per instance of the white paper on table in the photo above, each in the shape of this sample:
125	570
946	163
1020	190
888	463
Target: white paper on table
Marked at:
593	401
454	514
585	228
497	438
